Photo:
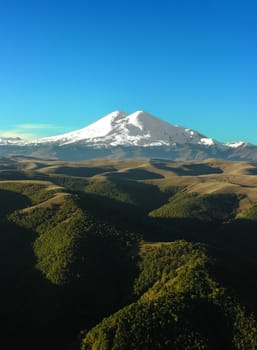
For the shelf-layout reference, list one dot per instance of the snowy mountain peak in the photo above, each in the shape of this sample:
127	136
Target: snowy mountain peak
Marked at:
115	115
236	144
99	128
143	117
136	134
120	128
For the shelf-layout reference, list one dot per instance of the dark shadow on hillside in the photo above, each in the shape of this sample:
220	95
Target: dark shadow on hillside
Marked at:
4	160
109	210
252	171
137	174
211	320
188	169
169	229
233	244
8	167
238	273
124	216
134	218
145	196
83	171
13	175
18	282
68	182
10	201
238	236
38	314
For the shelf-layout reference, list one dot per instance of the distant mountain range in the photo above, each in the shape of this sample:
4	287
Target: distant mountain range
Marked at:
120	135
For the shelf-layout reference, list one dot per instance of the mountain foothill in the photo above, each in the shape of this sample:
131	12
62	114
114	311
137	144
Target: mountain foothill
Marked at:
144	253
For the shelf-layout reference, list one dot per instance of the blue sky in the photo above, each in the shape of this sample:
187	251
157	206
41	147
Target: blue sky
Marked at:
66	63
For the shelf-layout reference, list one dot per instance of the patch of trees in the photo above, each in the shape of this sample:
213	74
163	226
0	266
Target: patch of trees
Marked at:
35	192
180	306
214	207
76	264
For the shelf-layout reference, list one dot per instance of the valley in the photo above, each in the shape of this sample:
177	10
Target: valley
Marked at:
121	254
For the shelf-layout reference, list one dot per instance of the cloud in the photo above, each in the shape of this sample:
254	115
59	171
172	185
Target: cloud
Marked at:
37	126
32	131
13	133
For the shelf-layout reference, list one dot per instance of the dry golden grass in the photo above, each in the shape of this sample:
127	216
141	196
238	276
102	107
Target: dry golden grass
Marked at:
57	199
203	177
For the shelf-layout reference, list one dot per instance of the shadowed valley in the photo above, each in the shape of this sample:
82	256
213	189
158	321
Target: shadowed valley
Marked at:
137	254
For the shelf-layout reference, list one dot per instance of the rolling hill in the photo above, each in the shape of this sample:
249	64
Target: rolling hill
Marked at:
115	254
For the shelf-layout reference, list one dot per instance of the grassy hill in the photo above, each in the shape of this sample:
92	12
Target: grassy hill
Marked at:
110	254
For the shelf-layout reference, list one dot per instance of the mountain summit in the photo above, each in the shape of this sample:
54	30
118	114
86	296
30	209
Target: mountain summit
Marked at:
137	129
120	135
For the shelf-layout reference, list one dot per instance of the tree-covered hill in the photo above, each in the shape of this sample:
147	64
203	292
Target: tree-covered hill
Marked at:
128	254
180	306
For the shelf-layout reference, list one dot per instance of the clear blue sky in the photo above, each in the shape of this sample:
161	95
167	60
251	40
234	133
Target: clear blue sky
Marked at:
66	63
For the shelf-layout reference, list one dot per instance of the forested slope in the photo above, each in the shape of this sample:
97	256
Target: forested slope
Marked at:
128	255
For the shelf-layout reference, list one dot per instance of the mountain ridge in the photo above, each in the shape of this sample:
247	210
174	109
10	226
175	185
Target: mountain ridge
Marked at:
121	135
139	128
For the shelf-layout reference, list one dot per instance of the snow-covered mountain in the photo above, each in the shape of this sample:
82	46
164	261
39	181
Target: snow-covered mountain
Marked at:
237	144
121	135
137	129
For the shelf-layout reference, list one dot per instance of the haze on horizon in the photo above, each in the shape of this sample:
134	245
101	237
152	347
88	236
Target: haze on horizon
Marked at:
65	64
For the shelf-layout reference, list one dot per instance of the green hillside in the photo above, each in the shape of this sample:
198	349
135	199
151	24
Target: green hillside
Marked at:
128	255
180	306
221	207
